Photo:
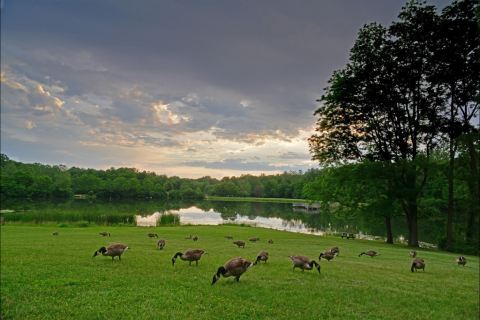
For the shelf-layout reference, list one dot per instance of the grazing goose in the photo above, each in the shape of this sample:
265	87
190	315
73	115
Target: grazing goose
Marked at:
370	253
151	235
189	255
418	263
229	237
270	241
104	234
304	263
234	267
195	238
254	239
462	261
161	243
413	253
335	250
262	256
112	250
189	237
240	244
55	233
326	255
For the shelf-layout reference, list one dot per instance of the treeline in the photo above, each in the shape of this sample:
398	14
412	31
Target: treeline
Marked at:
25	180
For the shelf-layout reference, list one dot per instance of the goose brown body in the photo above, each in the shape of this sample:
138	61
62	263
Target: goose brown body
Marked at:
195	238
240	243
262	256
234	267
112	250
104	234
189	237
151	235
229	237
328	255
370	253
461	261
413	253
335	250
418	263
161	243
270	241
254	239
304	263
189	255
55	233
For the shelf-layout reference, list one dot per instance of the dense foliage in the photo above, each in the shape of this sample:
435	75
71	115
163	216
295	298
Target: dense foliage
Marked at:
24	180
407	89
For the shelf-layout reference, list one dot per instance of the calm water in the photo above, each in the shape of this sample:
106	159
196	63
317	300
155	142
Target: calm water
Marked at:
280	216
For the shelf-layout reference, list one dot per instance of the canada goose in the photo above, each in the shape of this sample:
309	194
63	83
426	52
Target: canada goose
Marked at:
55	233
240	244
151	235
462	261
234	267
335	250
195	238
104	234
229	237
304	263
262	256
270	241
418	263
161	243
370	253
189	237
254	239
189	255
112	250
326	255
413	253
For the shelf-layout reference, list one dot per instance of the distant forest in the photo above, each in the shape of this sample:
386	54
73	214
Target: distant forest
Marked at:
36	180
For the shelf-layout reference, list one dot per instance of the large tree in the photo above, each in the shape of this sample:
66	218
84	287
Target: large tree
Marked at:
384	105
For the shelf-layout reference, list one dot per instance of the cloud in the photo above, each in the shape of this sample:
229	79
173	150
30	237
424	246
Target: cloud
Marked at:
244	165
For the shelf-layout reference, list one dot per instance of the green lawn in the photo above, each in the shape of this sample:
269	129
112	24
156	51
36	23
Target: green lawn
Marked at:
55	277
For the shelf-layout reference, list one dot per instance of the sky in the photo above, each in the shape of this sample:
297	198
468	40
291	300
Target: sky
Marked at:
185	88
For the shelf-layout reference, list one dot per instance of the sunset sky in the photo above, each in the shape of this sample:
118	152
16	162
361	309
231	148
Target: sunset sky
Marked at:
186	88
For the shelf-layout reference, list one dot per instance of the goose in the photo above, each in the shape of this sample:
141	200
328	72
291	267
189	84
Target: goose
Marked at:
189	237
151	235
462	261
195	238
270	241
240	244
370	253
189	255
161	243
112	250
104	234
304	263
335	250
229	237
55	233
413	253
262	256
326	255
234	267
254	239
418	263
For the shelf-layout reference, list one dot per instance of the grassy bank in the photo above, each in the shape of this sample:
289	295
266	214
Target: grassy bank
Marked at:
49	277
281	200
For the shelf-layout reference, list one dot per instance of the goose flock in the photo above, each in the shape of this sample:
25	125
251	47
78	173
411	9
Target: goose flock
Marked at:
236	267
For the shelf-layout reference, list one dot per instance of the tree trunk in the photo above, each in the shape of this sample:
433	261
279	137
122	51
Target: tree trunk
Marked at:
475	194
412	220
388	224
450	193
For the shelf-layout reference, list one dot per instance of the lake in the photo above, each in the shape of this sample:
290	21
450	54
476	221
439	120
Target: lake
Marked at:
279	216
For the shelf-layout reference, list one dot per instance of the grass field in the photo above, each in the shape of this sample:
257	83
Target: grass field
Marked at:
55	277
